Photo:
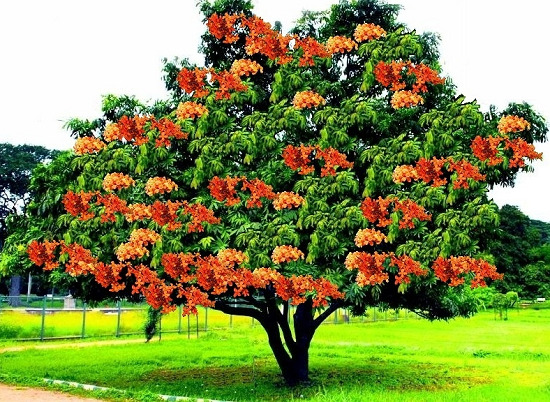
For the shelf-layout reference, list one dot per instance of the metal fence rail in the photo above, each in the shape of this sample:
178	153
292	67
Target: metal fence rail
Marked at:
53	317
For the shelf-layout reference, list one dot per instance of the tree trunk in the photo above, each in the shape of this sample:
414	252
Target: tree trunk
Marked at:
290	350
15	291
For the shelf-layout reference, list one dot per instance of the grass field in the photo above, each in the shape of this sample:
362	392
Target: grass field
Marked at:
480	359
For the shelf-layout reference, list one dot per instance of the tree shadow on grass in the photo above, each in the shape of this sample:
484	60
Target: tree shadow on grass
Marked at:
261	379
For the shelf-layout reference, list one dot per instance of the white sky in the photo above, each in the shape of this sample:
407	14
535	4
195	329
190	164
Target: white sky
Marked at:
58	57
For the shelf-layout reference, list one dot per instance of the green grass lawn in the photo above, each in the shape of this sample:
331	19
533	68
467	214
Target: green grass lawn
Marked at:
480	359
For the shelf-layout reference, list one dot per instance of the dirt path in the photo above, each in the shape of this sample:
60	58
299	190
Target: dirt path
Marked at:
9	393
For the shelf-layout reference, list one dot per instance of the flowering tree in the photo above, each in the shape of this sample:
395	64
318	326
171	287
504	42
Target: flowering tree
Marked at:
315	172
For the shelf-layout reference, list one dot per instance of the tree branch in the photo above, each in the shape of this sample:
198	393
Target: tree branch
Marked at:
335	305
242	311
280	319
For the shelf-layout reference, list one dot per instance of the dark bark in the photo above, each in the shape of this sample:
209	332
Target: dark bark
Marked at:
291	351
15	291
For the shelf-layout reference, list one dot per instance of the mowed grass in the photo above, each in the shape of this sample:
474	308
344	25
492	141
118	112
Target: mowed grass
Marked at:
478	359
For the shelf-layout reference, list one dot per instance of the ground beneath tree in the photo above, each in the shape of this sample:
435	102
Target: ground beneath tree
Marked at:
10	393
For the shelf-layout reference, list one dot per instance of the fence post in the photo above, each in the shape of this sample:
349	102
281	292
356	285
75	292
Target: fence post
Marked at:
44	301
179	319
83	320
117	334
160	327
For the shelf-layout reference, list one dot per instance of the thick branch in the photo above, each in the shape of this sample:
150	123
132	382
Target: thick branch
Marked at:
280	318
243	311
335	305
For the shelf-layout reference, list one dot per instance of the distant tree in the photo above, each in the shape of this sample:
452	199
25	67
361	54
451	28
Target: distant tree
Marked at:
518	247
16	165
320	171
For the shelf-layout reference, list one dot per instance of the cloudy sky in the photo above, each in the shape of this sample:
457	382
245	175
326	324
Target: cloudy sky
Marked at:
58	58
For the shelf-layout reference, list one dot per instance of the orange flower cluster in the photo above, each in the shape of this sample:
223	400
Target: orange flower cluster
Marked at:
369	237
521	149
372	267
245	67
299	288
286	254
79	204
43	254
129	129
112	204
376	211
401	99
404	173
109	275
231	257
366	32
410	210
88	145
190	110
301	158
136	247
194	297
332	158
223	27
307	100
512	124
258	189
155	290
178	266
138	212
464	170
165	213
424	75
392	75
406	267
224	189
194	81
132	130
168	130
340	44
221	274
159	185
228	82
199	215
287	200
266	41
262	39
117	181
80	261
310	49
456	269
486	149
429	170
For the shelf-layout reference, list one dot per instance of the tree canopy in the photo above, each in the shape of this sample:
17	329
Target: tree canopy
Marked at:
330	167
